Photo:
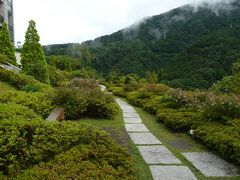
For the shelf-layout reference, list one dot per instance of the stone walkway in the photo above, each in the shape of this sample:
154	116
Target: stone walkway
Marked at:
163	164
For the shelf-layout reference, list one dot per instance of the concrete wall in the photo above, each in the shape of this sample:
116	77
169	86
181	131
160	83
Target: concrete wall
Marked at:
4	12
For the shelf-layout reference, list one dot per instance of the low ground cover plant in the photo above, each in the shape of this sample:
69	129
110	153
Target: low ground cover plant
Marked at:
39	102
101	159
16	111
27	143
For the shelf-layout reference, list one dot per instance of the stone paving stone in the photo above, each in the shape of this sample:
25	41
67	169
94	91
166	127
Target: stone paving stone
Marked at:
129	111
211	165
134	120
130	115
157	155
126	107
144	138
136	128
172	173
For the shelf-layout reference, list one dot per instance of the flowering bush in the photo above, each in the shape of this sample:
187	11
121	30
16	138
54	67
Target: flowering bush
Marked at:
222	108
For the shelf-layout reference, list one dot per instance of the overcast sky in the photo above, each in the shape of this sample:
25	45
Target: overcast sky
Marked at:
63	21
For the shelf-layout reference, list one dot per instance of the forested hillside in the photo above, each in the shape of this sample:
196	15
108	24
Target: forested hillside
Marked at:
187	47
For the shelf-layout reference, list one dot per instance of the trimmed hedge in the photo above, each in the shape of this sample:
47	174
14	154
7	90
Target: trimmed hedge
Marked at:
178	120
20	81
117	91
39	102
27	143
225	140
12	111
153	104
102	159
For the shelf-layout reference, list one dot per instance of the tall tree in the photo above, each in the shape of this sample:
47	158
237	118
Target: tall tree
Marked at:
230	84
32	57
6	45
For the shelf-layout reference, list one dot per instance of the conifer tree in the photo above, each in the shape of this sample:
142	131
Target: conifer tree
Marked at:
32	57
6	45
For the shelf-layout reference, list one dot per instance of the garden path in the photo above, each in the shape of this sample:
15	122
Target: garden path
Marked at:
163	164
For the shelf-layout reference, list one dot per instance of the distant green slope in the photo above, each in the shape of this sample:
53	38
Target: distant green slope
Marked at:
188	49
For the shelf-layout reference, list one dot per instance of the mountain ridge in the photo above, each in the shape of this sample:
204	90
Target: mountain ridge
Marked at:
165	42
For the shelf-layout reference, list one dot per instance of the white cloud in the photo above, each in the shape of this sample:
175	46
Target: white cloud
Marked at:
61	21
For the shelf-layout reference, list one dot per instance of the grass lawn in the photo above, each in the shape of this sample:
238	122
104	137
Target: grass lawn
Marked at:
117	131
4	87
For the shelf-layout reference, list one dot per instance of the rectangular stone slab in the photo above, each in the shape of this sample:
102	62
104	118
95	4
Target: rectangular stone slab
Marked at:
136	128
172	173
126	108
157	155
129	111
134	120
144	138
130	115
211	165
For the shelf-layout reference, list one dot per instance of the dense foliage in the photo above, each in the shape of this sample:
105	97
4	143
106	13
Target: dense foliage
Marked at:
15	111
22	81
39	102
32	57
84	98
205	112
26	143
6	45
101	159
229	84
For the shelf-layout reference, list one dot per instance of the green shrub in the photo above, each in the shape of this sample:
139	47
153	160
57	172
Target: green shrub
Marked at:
118	91
102	159
194	100
56	76
178	120
39	102
153	104
100	105
222	108
83	84
225	140
30	88
162	113
26	143
3	58
132	86
20	80
86	73
84	98
73	101
12	111
158	89
138	98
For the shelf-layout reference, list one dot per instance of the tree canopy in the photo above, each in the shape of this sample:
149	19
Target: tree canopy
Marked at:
6	45
32	57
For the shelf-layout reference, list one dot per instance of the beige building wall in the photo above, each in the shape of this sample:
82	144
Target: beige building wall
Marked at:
6	14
